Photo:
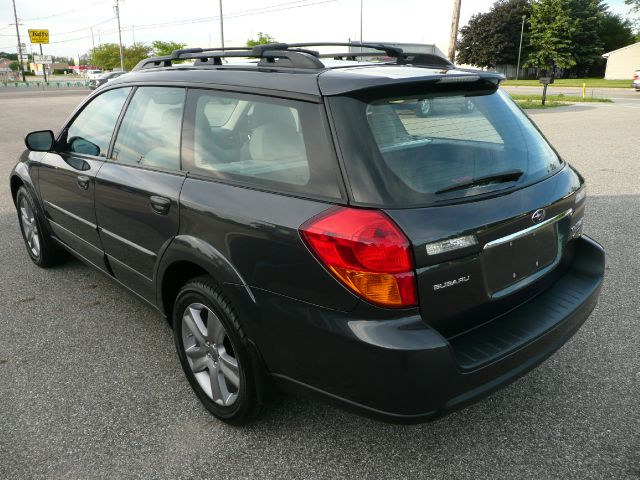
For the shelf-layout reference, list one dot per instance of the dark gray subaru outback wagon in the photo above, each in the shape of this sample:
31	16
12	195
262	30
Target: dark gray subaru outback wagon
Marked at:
304	222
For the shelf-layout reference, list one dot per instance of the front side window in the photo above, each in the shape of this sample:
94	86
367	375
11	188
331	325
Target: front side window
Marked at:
150	131
261	141
91	131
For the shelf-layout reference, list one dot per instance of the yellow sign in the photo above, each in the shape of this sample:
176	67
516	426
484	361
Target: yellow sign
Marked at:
39	36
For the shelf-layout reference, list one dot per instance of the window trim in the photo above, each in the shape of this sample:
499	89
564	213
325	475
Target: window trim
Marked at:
188	134
62	134
116	128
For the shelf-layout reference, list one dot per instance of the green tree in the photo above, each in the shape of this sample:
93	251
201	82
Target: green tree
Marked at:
107	55
9	56
615	32
263	38
15	66
160	48
135	53
493	38
564	33
588	46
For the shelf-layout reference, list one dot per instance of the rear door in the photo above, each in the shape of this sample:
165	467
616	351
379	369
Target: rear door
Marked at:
138	187
67	177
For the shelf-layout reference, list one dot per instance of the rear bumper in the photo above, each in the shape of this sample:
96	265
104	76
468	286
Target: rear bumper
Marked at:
402	370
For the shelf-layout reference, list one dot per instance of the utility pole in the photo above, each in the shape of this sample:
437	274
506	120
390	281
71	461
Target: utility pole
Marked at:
520	48
15	15
221	26
117	10
361	8
453	39
93	42
133	31
44	65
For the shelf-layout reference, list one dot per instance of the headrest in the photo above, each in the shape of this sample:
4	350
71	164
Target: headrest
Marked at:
264	113
276	141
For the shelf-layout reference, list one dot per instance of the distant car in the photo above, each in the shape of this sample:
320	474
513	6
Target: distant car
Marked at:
442	105
636	80
93	74
102	79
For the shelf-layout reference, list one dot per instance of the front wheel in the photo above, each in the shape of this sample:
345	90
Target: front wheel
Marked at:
214	352
40	246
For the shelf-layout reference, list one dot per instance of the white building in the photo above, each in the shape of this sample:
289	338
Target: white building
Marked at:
621	63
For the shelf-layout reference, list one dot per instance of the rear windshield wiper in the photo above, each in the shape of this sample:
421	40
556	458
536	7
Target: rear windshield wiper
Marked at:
508	176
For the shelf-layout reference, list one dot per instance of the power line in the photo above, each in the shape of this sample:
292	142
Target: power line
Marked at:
243	13
85	28
69	12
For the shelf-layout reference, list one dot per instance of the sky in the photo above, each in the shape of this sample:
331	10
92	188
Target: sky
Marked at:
196	22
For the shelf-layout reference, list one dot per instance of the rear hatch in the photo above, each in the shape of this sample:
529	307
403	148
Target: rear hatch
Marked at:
489	207
478	260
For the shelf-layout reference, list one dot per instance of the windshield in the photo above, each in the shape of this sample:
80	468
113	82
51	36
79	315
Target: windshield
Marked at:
426	148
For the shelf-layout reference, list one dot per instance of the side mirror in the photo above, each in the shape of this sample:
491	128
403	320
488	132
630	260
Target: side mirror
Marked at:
40	141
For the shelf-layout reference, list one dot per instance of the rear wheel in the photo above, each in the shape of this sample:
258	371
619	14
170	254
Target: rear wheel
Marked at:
214	352
40	246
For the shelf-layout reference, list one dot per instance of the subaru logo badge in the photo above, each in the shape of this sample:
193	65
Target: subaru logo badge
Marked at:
538	215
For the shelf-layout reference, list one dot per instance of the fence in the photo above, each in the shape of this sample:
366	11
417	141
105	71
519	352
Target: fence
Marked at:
44	85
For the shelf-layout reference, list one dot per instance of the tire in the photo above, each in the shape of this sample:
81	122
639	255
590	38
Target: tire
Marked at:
423	107
218	366
40	246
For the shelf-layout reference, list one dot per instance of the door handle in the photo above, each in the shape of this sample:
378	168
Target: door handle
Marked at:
160	205
83	182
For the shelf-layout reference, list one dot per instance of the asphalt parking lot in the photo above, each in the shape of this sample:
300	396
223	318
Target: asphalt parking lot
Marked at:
90	385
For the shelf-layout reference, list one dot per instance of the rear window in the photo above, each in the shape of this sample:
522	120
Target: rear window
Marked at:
426	148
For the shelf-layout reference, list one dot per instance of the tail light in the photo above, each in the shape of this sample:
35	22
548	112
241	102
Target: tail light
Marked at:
367	252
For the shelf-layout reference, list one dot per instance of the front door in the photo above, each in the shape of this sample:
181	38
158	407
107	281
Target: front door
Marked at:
66	178
138	187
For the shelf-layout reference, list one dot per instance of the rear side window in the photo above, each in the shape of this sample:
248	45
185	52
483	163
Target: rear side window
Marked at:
91	131
430	147
261	141
150	131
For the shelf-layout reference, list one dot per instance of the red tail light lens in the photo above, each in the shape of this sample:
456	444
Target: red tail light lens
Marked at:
367	252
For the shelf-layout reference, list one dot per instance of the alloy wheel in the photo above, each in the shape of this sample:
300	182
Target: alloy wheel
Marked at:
210	354
30	227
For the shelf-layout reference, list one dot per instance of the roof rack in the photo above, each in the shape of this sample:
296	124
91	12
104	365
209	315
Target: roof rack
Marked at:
292	55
